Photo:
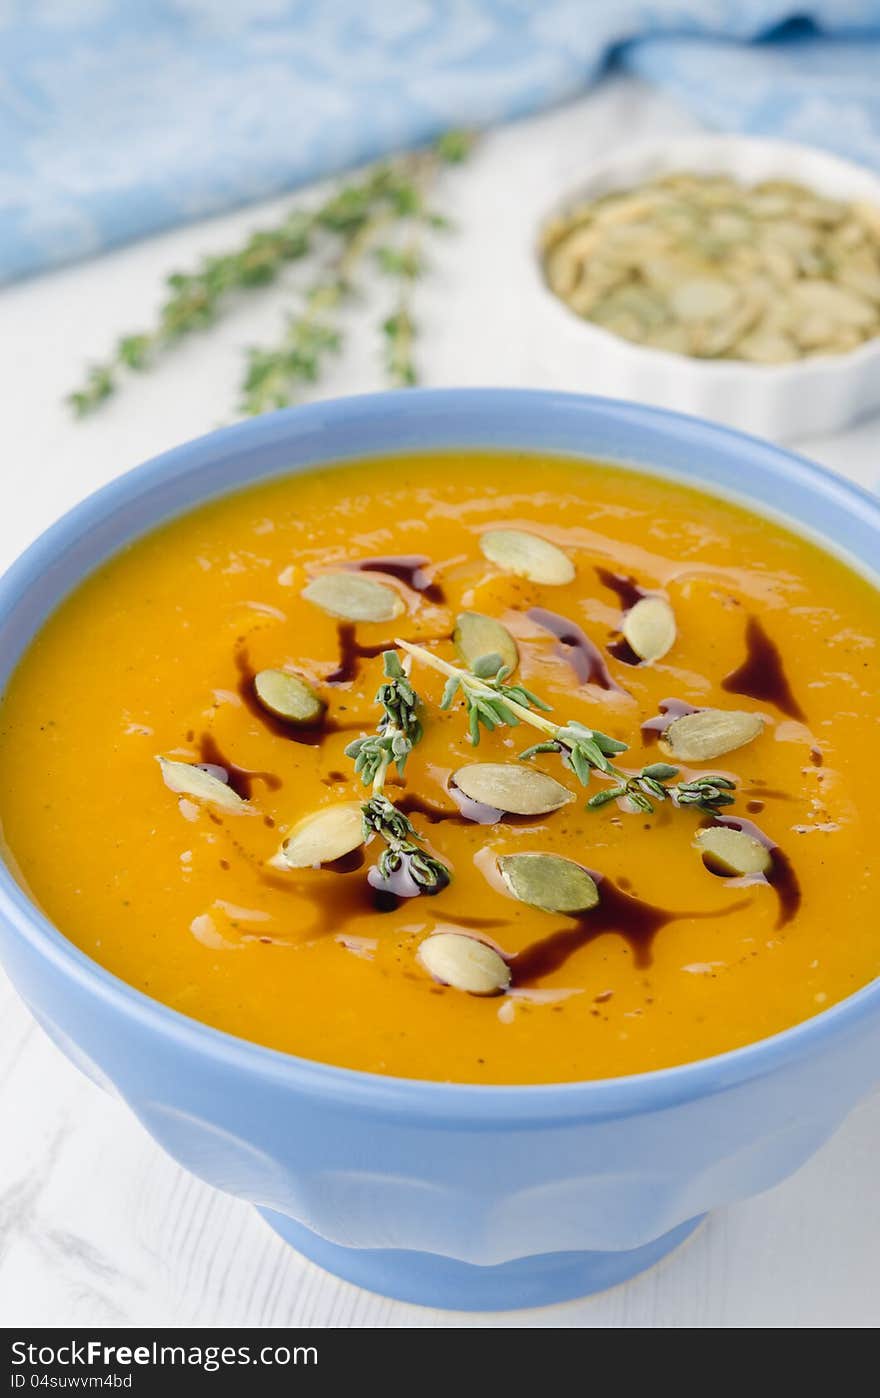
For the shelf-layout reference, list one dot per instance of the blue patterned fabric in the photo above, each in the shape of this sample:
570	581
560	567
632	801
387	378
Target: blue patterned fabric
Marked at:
122	117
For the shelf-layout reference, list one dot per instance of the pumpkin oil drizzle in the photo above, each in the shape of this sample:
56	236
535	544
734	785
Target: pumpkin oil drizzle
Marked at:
628	593
351	650
239	779
622	650
626	588
780	876
670	709
412	569
633	919
584	657
309	735
762	675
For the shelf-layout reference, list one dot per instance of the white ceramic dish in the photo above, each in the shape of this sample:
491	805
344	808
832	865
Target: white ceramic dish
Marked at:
782	401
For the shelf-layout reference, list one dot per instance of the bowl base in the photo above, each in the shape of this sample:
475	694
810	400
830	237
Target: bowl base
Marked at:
427	1279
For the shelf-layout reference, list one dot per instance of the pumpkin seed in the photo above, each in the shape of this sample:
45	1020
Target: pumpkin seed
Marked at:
353	597
549	881
814	331
708	733
507	786
186	779
676	264
477	635
701	298
861	273
845	307
733	851
528	556
288	697
765	347
464	962
323	836
649	628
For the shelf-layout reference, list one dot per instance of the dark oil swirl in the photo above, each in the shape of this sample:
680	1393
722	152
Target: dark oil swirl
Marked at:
622	650
412	569
351	650
670	709
633	919
762	675
628	594
239	779
309	735
780	876
625	587
585	658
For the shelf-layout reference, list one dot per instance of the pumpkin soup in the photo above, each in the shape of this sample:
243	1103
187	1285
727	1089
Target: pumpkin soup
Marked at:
478	767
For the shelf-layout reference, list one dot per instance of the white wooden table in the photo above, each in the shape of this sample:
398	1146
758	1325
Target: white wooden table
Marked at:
97	1226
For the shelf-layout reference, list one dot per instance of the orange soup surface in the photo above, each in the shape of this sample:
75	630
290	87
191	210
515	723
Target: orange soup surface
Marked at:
185	891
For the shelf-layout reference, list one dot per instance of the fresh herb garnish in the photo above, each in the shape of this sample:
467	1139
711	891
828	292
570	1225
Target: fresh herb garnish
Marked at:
339	232
405	266
398	731
655	783
382	818
491	709
583	749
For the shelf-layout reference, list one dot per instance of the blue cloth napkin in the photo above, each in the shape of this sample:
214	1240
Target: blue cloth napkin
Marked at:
122	117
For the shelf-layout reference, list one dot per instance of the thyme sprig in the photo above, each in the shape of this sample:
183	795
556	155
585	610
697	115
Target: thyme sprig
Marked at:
399	327
489	710
583	749
194	300
298	358
398	731
656	783
401	852
346	223
406	264
273	373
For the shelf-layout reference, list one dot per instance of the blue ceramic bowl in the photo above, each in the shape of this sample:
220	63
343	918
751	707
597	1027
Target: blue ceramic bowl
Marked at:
459	1196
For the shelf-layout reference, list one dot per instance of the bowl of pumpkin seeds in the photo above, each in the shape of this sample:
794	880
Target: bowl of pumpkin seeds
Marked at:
731	277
